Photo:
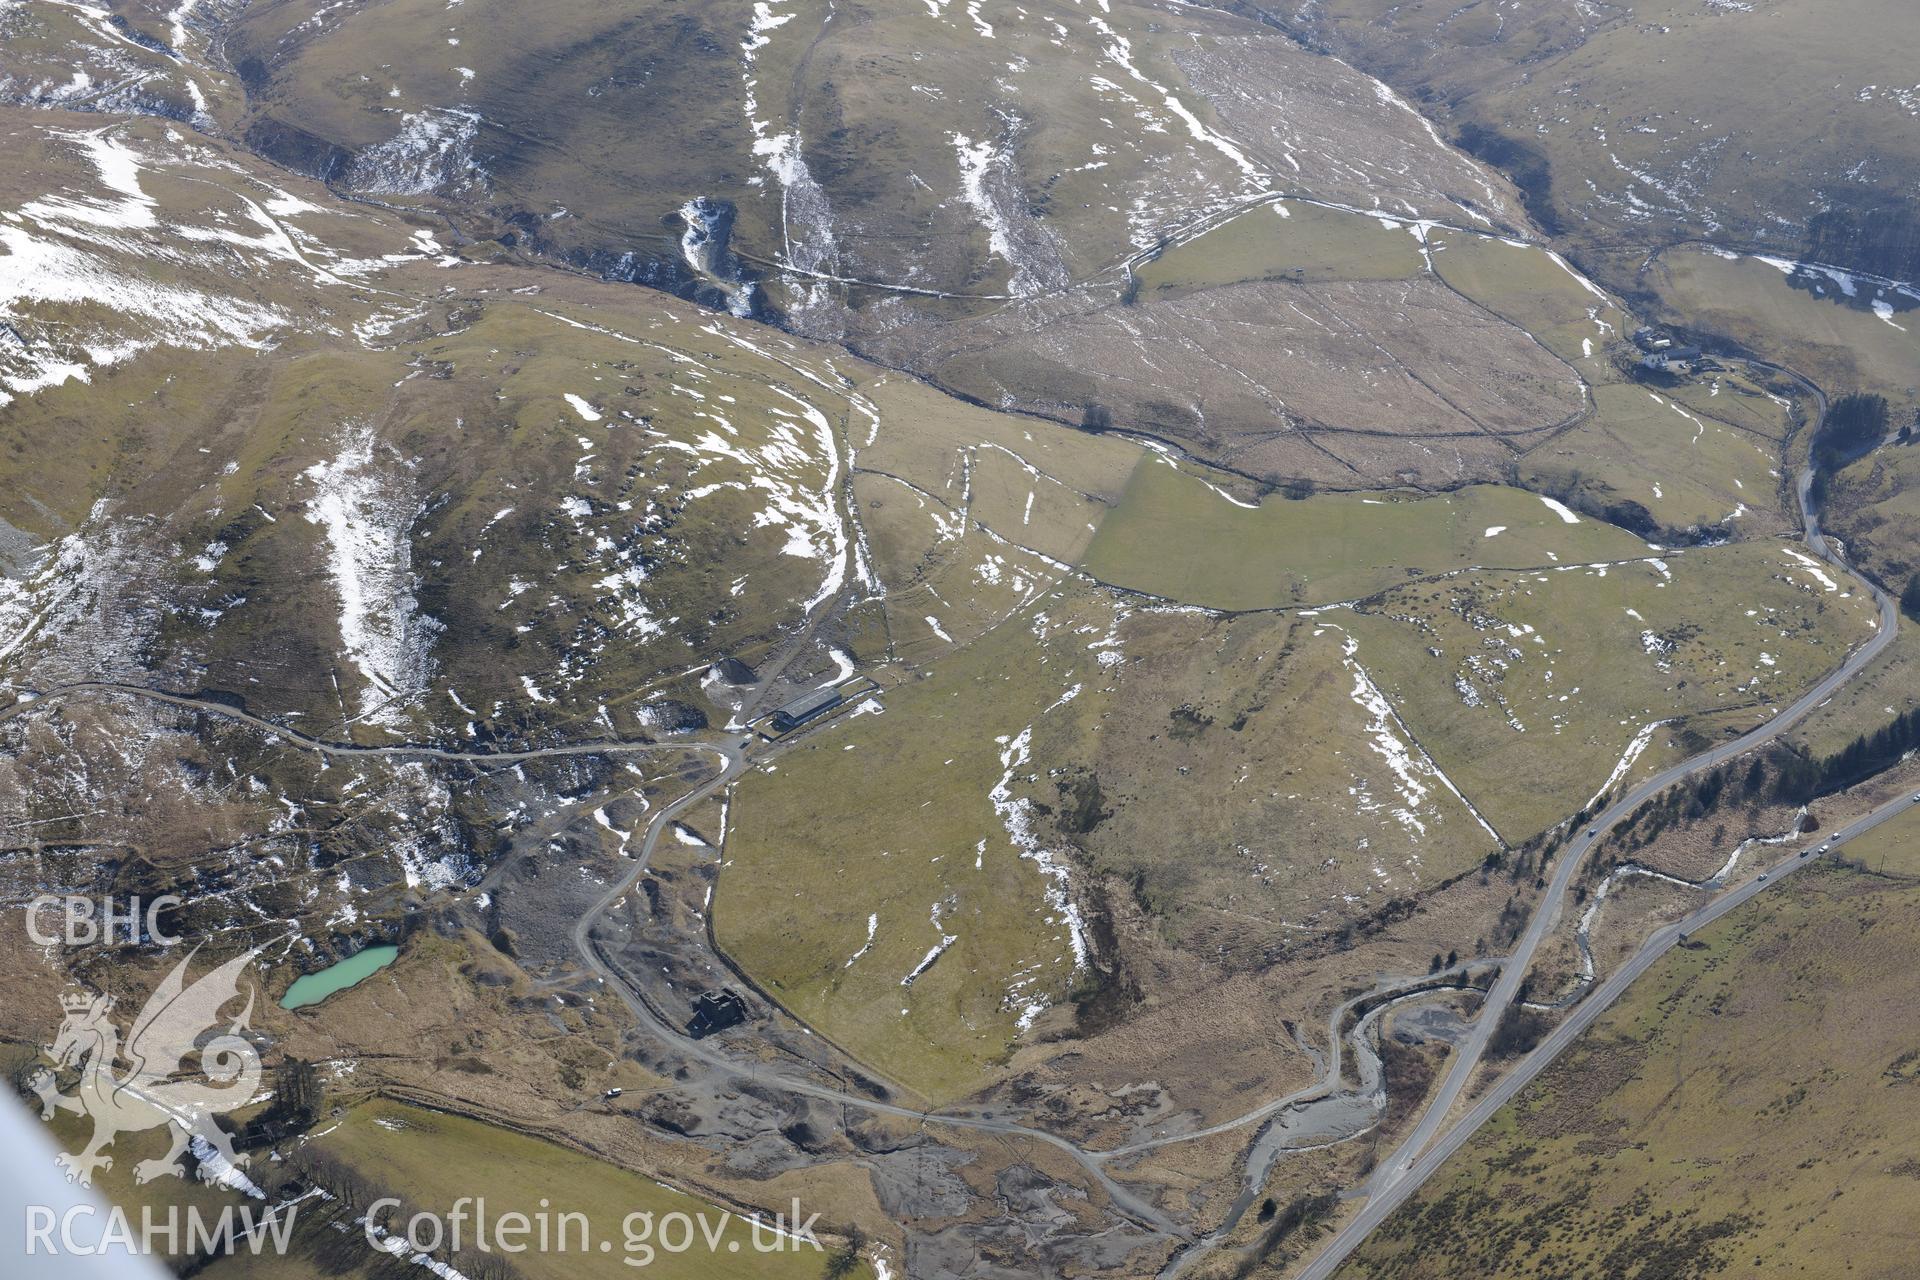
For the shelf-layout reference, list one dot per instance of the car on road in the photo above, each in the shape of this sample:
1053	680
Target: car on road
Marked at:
1763	877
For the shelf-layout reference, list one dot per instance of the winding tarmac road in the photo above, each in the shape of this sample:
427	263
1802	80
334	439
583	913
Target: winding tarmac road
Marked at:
1395	1180
1562	1037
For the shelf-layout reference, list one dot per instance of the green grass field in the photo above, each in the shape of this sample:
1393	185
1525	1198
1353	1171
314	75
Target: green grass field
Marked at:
1755	401
1892	848
1686	467
986	464
1254	790
1230	784
164	1197
1285	240
891	816
430	1160
1524	284
1889	686
1175	535
1527	688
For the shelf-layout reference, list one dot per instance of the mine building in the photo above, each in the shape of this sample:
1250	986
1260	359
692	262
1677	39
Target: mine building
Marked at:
716	1010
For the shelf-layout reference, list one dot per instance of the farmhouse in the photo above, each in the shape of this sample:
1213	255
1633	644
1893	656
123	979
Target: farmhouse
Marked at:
801	710
1672	359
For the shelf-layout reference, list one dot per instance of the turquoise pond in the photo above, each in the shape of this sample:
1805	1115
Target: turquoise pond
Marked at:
312	988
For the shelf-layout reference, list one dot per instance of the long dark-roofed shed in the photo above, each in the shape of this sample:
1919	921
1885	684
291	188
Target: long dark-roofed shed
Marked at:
801	710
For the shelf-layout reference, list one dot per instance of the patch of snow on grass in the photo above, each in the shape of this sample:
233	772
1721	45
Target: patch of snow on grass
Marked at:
71	252
1016	815
806	216
1389	738
873	927
1560	509
219	1171
1813	568
1585	283
432	152
1120	51
991	188
1627	758
933	953
366	512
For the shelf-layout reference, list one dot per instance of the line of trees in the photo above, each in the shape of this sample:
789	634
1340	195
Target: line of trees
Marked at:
1853	426
1801	779
1692	800
298	1096
1782	777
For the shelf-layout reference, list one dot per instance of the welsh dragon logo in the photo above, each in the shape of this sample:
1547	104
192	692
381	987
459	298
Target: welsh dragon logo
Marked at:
158	1085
